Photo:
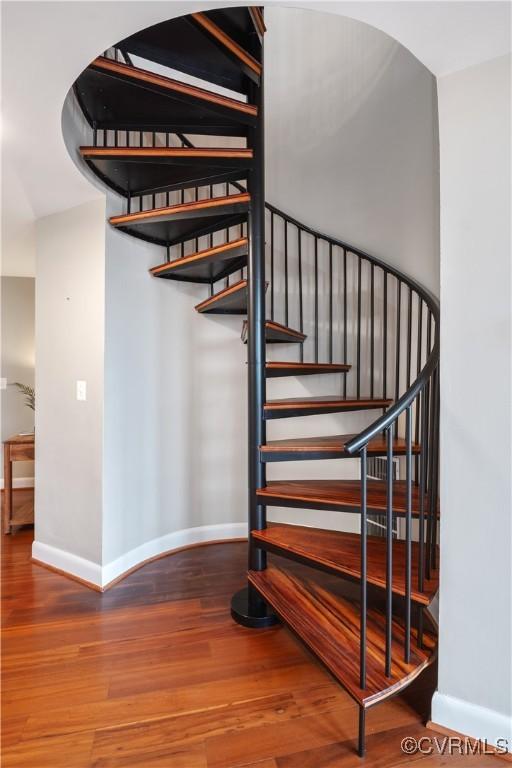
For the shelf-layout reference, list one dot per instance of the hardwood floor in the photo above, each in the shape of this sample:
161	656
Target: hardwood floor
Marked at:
154	674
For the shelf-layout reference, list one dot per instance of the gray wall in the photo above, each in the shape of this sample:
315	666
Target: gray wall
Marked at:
70	279
18	349
476	413
352	137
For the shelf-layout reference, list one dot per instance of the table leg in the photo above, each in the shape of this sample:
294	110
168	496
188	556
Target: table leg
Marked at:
7	490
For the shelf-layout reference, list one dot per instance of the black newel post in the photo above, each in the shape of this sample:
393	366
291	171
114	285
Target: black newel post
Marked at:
247	607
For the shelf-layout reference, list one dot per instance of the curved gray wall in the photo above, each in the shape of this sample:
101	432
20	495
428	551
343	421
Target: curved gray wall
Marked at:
352	137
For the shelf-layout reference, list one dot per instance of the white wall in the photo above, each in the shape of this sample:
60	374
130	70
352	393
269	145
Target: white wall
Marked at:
352	137
18	341
175	406
70	279
475	652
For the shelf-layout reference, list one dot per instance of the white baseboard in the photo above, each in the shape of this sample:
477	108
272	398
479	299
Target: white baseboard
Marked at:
76	566
102	576
471	720
19	482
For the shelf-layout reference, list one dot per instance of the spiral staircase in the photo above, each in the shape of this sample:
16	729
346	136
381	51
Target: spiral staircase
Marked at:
177	131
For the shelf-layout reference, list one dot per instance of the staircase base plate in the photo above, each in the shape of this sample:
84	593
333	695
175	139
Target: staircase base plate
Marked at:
249	610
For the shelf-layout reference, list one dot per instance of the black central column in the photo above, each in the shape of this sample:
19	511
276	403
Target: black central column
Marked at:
247	607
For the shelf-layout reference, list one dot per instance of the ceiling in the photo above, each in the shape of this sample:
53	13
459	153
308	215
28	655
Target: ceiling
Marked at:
45	45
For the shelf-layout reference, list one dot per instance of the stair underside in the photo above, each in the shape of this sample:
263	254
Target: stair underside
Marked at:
340	553
329	624
327	447
115	95
182	44
275	333
177	223
308	406
206	266
339	495
142	170
278	369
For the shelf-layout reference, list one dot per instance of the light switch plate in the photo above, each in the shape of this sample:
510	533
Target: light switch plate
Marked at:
81	390
3	383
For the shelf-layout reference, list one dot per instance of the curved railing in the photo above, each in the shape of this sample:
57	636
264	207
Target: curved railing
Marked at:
388	325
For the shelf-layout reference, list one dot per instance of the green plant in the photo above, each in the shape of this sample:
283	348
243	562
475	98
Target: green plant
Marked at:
29	392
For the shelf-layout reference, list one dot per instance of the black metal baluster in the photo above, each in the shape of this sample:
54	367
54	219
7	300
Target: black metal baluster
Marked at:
408	533
364	552
358	339
389	546
316	300
435	471
271	265
330	302
94	134
409	337
421	537
344	317
385	338
301	303
417	469
397	350
285	272
153	140
210	238
372	330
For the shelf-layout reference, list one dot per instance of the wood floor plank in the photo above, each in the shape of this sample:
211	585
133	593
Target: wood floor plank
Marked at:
68	751
152	704
67	649
185	756
177	731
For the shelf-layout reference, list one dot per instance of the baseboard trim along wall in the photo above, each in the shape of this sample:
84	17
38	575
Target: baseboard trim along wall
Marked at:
19	482
102	577
474	721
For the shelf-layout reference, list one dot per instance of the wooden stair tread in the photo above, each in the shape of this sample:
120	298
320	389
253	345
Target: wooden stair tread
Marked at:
340	552
176	223
276	369
304	406
250	64
145	170
328	447
338	495
231	300
169	85
210	204
207	265
329	625
169	153
275	333
257	18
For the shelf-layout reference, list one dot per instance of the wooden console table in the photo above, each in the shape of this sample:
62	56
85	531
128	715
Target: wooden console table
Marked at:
17	448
